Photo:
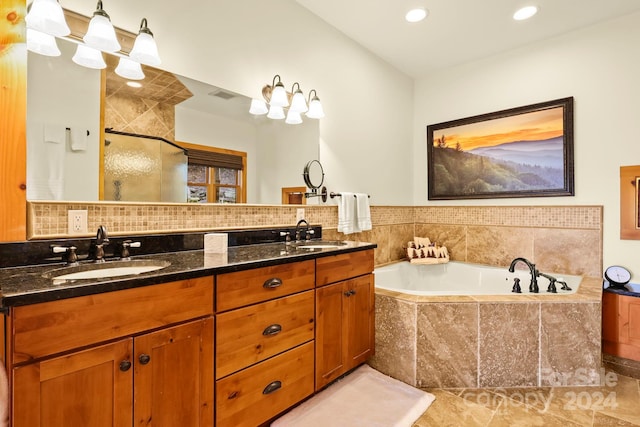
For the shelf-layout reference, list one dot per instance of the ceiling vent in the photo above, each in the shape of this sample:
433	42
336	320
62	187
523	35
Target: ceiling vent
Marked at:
220	93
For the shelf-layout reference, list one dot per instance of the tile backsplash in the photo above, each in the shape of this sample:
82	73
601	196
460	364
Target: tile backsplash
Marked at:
563	239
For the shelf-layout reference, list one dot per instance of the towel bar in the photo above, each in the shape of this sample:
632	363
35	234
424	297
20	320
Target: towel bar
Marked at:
332	195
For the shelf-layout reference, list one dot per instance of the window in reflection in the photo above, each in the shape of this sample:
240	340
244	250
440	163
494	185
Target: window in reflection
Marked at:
215	175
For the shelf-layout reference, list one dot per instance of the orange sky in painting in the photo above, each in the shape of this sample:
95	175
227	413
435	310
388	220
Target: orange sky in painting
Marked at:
533	126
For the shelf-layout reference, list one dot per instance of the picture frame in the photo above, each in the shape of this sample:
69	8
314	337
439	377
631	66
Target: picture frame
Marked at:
520	152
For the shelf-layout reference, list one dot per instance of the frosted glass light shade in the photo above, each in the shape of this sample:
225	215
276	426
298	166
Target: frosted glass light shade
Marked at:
279	96
101	35
89	57
293	118
298	103
258	107
315	109
276	113
145	50
44	44
47	17
129	69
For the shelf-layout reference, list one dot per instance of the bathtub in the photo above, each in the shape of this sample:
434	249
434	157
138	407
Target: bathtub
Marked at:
459	278
458	325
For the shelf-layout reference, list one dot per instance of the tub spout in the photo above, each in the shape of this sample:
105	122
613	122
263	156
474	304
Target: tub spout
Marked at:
533	286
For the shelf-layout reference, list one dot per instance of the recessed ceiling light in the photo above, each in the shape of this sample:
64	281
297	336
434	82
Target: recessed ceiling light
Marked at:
416	15
525	13
134	84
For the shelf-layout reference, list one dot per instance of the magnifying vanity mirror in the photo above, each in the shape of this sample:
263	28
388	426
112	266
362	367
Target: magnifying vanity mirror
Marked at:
68	105
313	175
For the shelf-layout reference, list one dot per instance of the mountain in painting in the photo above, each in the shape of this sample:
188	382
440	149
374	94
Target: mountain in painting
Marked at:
544	153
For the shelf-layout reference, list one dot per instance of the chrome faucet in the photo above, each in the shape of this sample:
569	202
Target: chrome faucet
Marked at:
102	239
533	286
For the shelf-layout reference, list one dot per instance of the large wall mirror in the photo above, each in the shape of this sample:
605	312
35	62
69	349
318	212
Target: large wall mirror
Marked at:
65	113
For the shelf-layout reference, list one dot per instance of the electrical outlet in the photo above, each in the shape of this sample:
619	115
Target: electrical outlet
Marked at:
299	214
78	222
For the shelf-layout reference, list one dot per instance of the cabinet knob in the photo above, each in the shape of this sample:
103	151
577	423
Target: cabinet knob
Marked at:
272	283
125	365
347	293
276	385
272	330
144	359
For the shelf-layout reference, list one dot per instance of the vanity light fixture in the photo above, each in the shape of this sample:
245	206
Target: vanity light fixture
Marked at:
42	43
47	17
525	13
101	35
315	108
129	69
89	57
278	99
145	50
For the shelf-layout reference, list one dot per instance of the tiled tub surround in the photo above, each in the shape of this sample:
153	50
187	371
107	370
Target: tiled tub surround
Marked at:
490	341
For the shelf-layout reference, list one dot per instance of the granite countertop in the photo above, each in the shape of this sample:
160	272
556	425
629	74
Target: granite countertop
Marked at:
26	285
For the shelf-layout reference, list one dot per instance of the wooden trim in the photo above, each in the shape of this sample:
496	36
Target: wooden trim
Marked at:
243	154
629	203
13	122
288	190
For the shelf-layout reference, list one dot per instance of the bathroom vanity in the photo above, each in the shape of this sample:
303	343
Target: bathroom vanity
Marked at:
226	340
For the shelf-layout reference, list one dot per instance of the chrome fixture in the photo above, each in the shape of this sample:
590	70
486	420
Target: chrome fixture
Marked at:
46	20
278	99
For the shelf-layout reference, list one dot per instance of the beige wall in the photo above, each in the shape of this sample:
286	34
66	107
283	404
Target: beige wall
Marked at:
560	239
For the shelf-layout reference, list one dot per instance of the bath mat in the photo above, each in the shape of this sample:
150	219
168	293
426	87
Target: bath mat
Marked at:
365	397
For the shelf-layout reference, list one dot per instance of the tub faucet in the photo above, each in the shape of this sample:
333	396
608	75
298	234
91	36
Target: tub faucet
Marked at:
533	286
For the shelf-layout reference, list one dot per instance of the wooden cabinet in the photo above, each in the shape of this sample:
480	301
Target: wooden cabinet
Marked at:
115	362
264	342
344	317
621	325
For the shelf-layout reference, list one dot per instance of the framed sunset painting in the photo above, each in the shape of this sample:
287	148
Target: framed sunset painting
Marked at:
520	152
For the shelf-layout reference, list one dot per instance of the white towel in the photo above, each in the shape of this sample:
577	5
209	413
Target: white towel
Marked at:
79	138
55	134
363	212
347	220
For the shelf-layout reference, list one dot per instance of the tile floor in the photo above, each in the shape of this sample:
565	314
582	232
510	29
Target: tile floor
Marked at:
615	403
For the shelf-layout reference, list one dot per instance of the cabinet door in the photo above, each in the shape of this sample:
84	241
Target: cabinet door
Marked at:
88	388
360	320
174	376
331	330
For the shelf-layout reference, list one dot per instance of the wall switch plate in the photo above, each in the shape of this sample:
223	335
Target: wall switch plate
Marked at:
78	222
299	214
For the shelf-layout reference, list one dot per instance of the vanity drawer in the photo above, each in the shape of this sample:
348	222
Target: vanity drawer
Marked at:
53	327
335	268
241	288
256	394
249	335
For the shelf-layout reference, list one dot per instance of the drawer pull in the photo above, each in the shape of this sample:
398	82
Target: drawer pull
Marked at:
272	283
276	385
272	330
125	365
144	359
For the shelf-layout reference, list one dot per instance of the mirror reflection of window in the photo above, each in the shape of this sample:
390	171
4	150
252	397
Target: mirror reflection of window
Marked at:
215	175
637	204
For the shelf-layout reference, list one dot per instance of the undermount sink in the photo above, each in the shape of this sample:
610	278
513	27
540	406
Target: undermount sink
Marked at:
320	245
104	270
